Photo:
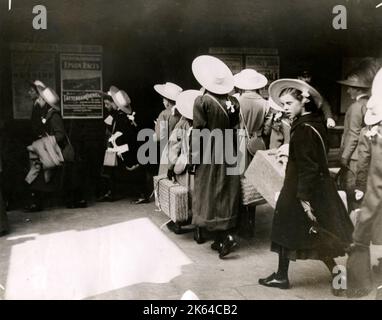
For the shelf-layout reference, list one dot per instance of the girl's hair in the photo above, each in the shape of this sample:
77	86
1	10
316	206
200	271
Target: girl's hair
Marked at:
297	94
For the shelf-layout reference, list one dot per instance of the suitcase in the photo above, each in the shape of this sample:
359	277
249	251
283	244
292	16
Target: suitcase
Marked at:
266	174
172	199
249	194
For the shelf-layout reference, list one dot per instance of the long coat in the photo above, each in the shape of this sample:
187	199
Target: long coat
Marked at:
352	127
253	109
307	178
215	200
123	124
369	224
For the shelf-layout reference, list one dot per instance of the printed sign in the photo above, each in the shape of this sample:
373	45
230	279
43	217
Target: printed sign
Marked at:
269	66
81	86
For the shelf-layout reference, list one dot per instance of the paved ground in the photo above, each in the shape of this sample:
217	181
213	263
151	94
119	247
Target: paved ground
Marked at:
118	251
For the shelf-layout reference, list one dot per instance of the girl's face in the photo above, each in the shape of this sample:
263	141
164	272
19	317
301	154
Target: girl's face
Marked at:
292	107
110	105
167	103
33	94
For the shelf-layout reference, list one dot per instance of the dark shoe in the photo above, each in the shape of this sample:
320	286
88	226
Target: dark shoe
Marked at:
198	237
227	247
176	228
273	282
216	245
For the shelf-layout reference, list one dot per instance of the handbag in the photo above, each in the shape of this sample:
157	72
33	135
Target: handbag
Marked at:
110	158
68	151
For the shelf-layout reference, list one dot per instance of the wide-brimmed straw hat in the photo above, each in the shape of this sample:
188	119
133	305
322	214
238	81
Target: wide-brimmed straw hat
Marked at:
185	102
374	105
168	90
249	79
307	90
49	95
120	97
213	74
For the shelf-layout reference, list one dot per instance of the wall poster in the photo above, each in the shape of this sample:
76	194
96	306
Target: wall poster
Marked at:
26	67
81	86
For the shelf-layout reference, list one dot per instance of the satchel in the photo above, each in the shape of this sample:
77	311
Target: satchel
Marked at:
110	159
68	151
254	143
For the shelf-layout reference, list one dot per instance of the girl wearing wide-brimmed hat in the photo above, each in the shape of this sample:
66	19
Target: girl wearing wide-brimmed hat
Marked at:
216	195
37	111
166	121
169	117
124	131
253	110
179	148
53	125
310	221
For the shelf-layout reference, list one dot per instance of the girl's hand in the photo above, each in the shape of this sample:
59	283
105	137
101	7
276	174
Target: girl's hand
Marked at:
308	210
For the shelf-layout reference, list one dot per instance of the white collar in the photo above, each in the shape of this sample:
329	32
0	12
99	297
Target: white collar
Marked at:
361	96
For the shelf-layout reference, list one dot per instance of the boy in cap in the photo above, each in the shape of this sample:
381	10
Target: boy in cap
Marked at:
369	222
359	82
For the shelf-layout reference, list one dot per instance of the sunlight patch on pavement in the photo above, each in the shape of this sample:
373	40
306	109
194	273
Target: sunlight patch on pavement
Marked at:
81	264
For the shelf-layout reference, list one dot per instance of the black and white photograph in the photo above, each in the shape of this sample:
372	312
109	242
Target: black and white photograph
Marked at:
193	152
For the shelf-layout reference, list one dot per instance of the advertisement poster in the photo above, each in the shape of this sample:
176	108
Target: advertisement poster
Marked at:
27	67
234	62
269	66
81	86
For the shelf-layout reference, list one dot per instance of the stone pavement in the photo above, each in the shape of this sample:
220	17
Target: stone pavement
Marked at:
118	251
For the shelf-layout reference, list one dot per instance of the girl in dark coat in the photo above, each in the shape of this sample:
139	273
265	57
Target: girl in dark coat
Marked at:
310	220
53	125
215	198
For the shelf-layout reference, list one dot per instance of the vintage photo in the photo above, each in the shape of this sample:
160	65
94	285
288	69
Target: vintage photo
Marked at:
180	150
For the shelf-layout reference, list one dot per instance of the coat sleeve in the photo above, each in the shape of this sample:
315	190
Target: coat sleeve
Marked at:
355	124
57	127
174	147
326	109
306	146
363	164
161	127
199	123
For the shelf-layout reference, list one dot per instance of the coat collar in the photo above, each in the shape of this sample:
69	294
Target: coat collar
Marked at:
310	118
